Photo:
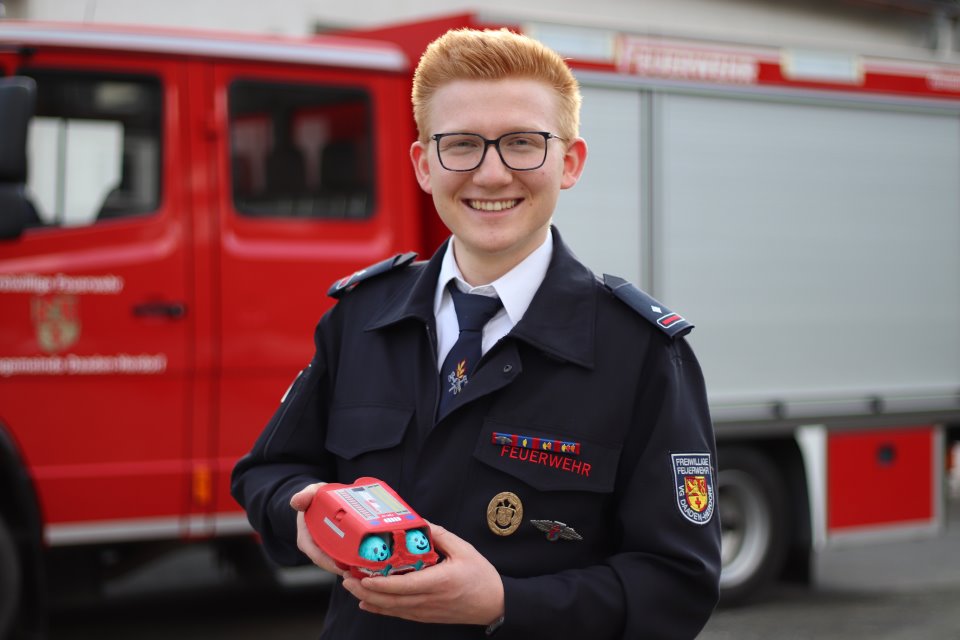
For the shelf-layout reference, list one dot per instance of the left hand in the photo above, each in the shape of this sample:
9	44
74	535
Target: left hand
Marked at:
300	502
463	589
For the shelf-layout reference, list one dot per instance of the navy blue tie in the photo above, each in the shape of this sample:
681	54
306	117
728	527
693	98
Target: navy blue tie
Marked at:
473	312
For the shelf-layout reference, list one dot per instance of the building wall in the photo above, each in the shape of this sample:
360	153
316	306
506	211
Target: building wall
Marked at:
834	25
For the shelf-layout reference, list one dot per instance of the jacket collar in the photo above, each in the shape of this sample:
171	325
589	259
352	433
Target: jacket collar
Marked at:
560	320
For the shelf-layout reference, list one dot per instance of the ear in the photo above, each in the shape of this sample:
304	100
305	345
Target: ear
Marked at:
419	155
573	161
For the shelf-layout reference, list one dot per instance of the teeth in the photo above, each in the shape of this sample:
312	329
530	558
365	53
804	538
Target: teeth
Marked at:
488	205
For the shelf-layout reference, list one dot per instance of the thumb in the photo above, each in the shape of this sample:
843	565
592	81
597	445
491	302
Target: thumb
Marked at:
449	544
302	499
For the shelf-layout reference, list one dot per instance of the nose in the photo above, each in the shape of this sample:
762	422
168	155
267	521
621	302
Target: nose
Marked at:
492	171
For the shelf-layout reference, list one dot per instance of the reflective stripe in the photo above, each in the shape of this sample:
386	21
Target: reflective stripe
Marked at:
335	52
76	533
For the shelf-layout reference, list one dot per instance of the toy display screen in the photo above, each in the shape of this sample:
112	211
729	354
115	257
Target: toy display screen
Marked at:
373	503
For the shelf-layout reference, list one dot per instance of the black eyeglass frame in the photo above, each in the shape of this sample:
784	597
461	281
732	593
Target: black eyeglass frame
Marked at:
487	142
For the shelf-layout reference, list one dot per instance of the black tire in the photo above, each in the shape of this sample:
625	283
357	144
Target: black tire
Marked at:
753	516
11	580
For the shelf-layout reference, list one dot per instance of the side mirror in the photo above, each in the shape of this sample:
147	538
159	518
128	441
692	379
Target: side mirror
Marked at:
17	100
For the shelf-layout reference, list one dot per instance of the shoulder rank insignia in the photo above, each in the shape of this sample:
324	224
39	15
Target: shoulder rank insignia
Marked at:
672	324
345	285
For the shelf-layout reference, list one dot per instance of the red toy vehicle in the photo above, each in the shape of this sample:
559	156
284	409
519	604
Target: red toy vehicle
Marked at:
367	528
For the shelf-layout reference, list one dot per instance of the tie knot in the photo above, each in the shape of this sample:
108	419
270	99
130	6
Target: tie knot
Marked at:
473	310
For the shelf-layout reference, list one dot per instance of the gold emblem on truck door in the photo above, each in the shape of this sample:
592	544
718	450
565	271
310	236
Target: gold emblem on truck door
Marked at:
57	321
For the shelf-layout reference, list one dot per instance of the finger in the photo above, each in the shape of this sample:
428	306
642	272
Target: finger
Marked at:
360	591
428	580
353	586
387	603
406	614
305	541
426	608
449	544
306	544
302	499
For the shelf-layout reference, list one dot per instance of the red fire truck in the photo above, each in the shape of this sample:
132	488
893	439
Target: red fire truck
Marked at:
190	197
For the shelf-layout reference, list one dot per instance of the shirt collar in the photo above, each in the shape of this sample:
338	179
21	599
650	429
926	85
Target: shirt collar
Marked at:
515	288
561	319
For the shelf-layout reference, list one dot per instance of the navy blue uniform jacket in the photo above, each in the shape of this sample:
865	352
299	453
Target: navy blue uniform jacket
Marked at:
582	365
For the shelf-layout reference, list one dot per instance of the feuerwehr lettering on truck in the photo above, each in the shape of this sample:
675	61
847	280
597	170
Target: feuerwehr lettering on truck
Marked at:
54	308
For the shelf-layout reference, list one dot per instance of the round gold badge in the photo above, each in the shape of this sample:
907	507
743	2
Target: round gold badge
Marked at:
504	513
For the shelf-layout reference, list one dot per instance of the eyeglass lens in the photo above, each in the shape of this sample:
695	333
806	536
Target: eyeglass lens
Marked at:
465	151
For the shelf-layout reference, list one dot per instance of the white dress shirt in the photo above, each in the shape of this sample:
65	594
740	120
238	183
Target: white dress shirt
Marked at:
514	288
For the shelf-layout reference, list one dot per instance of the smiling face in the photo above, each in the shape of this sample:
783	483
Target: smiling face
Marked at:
417	542
375	548
498	216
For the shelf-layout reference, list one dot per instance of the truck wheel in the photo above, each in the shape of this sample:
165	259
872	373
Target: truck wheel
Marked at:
753	512
10	580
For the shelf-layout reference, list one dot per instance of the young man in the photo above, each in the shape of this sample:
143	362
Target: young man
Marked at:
569	478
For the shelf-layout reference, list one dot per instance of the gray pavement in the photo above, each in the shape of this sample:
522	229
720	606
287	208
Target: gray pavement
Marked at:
800	614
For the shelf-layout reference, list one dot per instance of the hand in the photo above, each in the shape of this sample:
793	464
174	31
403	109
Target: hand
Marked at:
300	501
463	589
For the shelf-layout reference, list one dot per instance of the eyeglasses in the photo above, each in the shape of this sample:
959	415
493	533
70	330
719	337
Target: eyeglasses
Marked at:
519	150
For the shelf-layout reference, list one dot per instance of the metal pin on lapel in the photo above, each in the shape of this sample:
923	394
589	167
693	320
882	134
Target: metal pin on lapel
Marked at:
557	530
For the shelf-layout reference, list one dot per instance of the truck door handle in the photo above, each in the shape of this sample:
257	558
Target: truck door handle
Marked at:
172	310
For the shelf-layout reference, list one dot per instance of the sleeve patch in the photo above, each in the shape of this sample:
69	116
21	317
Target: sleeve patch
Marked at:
345	285
693	481
672	324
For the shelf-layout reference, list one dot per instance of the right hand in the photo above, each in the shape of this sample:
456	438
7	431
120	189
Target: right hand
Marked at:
300	501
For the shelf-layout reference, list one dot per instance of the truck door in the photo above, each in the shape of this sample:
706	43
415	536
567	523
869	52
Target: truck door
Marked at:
96	300
303	199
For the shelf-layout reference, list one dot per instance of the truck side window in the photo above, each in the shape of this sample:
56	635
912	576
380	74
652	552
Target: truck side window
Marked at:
94	146
300	151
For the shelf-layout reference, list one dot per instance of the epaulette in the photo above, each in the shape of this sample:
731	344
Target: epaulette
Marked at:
344	285
672	324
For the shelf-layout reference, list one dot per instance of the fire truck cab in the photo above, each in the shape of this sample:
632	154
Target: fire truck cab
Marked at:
191	198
